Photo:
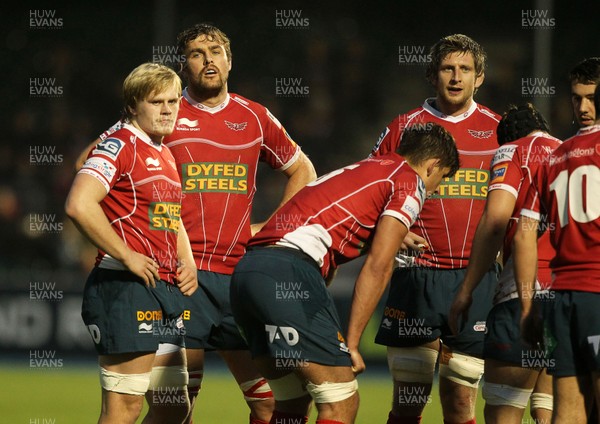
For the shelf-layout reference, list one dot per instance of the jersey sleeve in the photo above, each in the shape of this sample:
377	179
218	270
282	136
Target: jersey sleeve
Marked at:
116	127
278	148
389	139
506	172
532	207
406	200
106	162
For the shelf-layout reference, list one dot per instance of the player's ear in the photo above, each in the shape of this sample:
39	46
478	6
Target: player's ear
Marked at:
479	80
431	165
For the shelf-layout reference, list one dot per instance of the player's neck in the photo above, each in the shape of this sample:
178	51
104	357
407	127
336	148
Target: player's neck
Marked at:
450	109
209	98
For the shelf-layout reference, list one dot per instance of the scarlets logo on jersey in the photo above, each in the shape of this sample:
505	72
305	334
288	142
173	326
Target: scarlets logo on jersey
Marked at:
236	126
164	216
481	134
215	177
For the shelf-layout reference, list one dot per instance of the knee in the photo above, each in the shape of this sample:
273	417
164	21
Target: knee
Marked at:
412	364
259	397
167	395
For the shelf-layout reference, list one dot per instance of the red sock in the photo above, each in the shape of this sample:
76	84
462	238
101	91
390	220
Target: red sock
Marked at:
393	419
256	421
471	421
328	422
285	418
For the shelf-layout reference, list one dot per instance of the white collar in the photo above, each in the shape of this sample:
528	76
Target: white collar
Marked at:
203	107
428	106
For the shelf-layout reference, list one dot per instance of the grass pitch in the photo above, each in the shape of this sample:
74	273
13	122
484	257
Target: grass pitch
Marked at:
71	394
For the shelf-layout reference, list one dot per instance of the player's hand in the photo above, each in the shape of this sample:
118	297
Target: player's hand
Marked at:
459	310
255	228
144	267
187	278
414	242
358	365
532	327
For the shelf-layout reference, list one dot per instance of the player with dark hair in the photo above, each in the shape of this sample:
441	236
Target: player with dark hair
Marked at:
415	320
218	141
584	77
364	208
126	199
565	190
509	380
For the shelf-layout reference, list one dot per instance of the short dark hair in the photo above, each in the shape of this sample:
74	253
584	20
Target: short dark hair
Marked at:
586	72
518	121
452	44
209	30
422	142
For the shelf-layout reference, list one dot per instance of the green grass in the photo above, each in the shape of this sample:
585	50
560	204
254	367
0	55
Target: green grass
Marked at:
72	395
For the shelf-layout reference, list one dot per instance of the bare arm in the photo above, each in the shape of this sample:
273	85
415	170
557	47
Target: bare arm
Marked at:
372	281
187	277
525	261
84	154
300	173
83	207
486	244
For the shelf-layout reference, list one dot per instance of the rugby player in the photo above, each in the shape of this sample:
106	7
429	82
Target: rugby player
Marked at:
126	199
364	208
569	327
218	141
583	79
511	369
415	321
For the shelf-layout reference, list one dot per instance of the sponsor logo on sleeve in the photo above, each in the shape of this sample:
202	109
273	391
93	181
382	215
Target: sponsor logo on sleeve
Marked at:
498	173
102	166
109	148
504	154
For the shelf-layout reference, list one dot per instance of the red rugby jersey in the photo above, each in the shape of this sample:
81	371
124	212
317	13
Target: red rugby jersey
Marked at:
449	218
143	201
217	151
333	219
513	168
566	189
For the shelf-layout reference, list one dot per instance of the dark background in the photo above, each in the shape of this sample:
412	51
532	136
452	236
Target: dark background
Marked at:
346	53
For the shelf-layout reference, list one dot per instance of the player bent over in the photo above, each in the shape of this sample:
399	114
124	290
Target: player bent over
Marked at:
512	370
278	292
564	189
126	199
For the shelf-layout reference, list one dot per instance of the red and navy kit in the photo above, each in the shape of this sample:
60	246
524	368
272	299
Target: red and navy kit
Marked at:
333	218
567	190
217	151
449	218
143	201
513	168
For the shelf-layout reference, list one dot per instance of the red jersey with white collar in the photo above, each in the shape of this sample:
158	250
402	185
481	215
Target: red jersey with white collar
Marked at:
333	219
513	168
143	200
217	151
567	190
449	218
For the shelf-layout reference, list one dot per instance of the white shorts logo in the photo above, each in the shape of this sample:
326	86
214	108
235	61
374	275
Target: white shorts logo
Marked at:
95	333
289	334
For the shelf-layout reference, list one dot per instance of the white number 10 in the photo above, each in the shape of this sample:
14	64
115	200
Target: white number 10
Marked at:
577	194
